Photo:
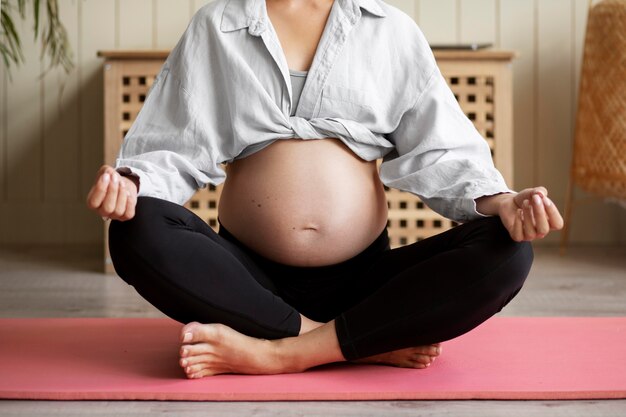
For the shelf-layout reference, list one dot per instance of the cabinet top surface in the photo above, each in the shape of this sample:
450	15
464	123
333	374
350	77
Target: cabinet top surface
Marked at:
440	55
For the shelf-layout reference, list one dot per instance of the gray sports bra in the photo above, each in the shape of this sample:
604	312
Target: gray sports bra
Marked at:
297	82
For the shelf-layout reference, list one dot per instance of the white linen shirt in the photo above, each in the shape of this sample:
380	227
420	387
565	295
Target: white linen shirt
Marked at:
224	92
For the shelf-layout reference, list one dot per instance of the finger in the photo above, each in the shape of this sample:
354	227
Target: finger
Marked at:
120	203
554	217
527	193
109	203
541	190
131	202
542	226
529	227
98	192
520	197
104	168
518	231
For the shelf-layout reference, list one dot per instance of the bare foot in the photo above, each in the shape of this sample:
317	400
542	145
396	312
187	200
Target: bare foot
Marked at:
419	357
212	349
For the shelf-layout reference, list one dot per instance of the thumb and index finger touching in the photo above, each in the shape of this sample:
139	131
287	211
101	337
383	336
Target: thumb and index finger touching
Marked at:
105	191
98	191
527	194
551	211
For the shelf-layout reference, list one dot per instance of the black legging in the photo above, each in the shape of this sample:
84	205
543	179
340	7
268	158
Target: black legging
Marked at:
382	299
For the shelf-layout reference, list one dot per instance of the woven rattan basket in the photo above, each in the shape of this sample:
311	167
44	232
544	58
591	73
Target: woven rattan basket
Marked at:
599	157
599	163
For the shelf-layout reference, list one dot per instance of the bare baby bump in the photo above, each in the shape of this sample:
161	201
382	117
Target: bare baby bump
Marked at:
304	202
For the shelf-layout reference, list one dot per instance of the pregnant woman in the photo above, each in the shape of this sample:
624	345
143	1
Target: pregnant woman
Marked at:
298	99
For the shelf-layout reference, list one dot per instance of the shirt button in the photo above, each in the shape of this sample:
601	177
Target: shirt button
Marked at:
256	27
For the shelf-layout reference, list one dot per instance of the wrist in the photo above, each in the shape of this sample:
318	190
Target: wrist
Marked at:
129	175
492	204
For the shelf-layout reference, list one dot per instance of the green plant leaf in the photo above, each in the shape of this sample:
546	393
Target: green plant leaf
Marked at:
53	36
36	10
22	8
12	38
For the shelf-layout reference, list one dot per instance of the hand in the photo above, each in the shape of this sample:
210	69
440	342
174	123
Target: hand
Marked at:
112	196
529	214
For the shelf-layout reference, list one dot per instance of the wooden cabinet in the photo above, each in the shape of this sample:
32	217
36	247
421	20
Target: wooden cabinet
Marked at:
480	80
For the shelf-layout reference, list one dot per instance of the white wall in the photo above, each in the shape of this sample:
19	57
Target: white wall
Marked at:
51	146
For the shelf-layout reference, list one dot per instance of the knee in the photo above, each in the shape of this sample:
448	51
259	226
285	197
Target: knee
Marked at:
150	212
128	238
123	233
124	236
520	263
511	271
509	260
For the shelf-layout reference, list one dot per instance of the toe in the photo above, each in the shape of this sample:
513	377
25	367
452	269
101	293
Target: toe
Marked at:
191	375
194	369
200	370
431	350
188	351
186	332
184	351
423	359
196	332
198	359
203	373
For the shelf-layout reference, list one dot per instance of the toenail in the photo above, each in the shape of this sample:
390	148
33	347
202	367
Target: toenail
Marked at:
185	351
184	362
187	337
188	369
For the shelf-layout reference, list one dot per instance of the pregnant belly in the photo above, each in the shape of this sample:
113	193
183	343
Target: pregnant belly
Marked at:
304	202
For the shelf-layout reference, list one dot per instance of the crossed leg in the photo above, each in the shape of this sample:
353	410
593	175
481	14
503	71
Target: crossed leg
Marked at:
417	296
480	270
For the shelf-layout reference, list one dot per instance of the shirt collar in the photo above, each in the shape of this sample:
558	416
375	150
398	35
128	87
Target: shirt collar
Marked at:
239	14
373	7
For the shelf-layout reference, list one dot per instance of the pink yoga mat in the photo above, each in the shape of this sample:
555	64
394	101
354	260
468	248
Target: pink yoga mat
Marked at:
137	359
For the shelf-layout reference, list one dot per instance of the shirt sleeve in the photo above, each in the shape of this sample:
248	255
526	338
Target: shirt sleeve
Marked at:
169	147
440	156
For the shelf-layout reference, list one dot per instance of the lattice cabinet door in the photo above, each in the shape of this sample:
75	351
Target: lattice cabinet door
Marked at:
126	85
483	87
481	82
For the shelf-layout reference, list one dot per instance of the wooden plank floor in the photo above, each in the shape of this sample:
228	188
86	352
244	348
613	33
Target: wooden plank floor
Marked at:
64	282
